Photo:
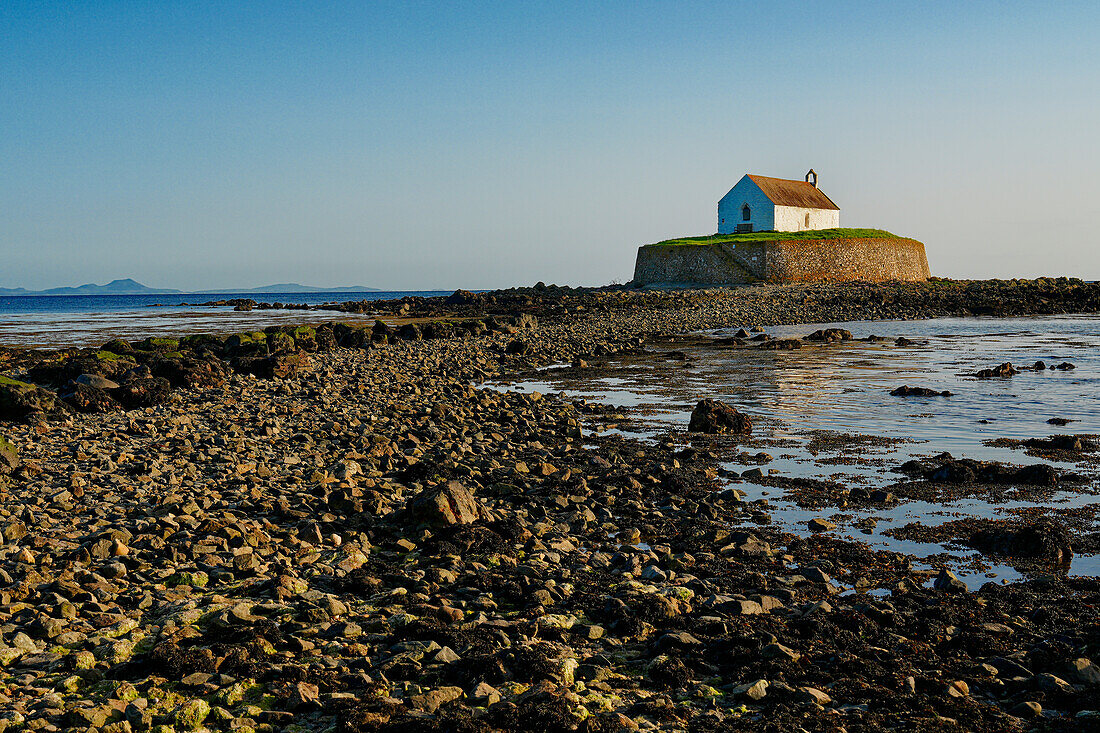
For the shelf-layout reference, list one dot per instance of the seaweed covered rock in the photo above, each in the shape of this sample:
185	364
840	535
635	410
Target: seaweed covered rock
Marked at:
191	370
947	469
1041	539
87	398
140	390
714	416
23	401
279	366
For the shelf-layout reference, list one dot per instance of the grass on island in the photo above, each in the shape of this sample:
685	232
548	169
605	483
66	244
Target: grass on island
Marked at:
778	236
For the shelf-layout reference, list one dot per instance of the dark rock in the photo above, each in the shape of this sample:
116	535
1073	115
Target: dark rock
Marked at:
714	416
1004	370
463	297
143	392
907	391
23	401
1040	539
830	335
88	399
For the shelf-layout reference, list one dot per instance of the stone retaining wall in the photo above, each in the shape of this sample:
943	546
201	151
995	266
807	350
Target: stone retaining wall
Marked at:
805	260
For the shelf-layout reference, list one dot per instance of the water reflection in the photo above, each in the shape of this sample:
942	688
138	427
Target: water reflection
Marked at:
844	388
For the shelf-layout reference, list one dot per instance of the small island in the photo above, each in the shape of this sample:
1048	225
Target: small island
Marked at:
782	231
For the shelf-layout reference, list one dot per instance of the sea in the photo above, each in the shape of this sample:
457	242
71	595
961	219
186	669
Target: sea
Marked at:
59	321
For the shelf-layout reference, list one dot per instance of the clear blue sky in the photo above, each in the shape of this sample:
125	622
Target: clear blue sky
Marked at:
442	145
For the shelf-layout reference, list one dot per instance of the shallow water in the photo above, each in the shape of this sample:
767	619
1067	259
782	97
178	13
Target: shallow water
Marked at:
844	388
90	320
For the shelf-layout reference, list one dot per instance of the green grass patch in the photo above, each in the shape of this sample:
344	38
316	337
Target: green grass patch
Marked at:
778	237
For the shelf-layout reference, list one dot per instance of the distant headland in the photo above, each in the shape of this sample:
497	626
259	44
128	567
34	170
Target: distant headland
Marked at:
128	286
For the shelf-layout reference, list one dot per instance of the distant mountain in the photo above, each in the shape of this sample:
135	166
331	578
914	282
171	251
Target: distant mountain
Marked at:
126	286
294	288
132	287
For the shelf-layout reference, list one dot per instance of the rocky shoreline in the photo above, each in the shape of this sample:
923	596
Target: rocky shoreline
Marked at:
336	527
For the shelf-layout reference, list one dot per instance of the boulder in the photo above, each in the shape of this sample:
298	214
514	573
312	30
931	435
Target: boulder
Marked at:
1004	370
9	456
463	297
444	505
143	392
24	401
829	335
714	416
88	399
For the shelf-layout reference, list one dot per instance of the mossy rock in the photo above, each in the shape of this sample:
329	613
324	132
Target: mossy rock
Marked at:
117	346
195	580
246	338
280	342
306	338
247	343
22	400
200	340
191	714
159	344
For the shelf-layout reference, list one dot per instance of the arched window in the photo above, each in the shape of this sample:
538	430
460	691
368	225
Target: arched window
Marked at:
807	220
746	213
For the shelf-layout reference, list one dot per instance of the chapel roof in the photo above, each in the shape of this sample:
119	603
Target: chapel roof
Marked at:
785	192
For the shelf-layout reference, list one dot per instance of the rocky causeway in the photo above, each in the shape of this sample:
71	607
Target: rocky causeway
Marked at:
342	527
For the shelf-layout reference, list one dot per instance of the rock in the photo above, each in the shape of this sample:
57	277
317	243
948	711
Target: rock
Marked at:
1004	370
190	715
9	456
463	297
1052	683
431	701
22	401
445	505
752	690
304	695
1083	670
907	391
1038	539
776	650
518	347
815	574
96	380
817	524
830	335
810	696
947	581
87	399
958	688
1028	710
485	694
713	416
143	392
